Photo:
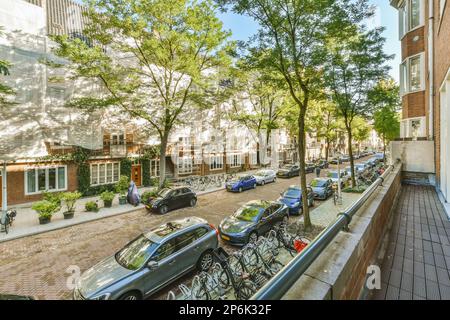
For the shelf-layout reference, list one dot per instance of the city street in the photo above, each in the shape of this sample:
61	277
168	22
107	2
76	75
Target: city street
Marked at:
37	265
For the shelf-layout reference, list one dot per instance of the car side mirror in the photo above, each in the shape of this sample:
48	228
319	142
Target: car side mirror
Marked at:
152	265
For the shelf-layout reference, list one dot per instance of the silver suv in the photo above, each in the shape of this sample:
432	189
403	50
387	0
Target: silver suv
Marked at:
151	261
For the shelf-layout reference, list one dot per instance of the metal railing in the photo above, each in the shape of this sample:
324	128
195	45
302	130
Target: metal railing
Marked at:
277	287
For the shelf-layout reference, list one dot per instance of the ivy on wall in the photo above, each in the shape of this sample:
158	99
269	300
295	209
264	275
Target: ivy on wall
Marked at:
146	179
125	167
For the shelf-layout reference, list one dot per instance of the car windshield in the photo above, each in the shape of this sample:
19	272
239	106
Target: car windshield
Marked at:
318	183
248	213
293	193
135	254
288	167
261	173
164	192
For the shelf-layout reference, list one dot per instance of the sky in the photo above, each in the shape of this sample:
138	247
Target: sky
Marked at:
243	27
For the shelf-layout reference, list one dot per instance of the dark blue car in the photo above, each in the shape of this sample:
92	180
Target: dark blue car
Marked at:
252	220
241	184
292	198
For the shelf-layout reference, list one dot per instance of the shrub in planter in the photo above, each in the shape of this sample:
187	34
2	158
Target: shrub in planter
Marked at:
54	197
70	198
91	206
107	197
45	210
145	197
122	188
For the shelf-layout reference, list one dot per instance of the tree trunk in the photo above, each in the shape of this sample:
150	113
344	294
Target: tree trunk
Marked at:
350	153
384	150
162	160
301	151
327	148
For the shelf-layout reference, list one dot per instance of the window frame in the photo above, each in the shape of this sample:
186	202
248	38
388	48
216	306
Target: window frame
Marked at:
405	71
46	168
98	164
219	163
405	12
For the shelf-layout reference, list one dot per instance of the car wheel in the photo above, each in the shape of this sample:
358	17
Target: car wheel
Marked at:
240	189
205	261
263	182
254	186
193	202
163	209
133	295
275	179
252	237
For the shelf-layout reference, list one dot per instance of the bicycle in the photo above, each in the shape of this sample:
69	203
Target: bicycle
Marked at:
291	240
9	219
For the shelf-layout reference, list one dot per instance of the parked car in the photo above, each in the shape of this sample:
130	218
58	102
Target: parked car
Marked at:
333	175
252	220
345	158
242	183
172	198
151	261
288	171
335	160
379	156
322	188
360	167
265	176
322	164
309	167
15	297
292	198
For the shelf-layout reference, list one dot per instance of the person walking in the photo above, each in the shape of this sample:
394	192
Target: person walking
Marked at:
317	171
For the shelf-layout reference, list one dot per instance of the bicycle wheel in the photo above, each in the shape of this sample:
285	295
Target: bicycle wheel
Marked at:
246	290
275	266
224	280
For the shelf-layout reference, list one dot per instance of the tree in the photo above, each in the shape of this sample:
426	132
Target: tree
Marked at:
386	96
291	41
356	63
5	91
360	131
154	59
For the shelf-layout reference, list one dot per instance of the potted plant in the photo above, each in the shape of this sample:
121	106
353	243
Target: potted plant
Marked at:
122	188
54	197
45	210
91	206
107	197
70	198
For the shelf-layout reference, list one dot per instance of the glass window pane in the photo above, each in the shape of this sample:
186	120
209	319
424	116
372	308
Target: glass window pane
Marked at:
414	14
41	180
51	178
414	75
101	173
94	174
116	172
61	178
31	181
109	175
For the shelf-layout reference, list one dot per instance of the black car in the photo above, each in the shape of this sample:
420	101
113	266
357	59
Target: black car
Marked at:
170	199
335	160
288	171
253	219
322	188
322	164
309	167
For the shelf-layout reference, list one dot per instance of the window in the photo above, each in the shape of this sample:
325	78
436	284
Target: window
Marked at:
412	74
104	173
253	158
42	179
154	168
215	162
235	160
410	16
117	139
184	165
413	127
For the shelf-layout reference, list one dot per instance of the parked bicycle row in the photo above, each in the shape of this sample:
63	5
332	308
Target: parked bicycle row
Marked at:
240	274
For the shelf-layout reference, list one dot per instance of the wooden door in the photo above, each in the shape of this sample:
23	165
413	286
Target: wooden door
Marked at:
136	174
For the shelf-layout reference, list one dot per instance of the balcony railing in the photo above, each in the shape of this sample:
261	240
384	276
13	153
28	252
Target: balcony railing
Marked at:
277	287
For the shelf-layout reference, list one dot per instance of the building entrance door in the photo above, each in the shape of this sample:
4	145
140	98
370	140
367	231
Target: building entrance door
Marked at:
136	174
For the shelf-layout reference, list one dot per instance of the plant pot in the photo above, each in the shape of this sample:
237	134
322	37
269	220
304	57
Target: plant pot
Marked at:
107	203
123	200
44	220
68	214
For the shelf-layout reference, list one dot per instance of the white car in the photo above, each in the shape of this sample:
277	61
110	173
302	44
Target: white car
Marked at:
333	175
265	176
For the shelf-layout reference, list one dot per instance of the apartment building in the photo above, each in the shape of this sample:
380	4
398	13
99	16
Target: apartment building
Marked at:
424	30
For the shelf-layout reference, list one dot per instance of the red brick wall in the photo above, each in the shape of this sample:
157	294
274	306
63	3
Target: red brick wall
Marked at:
413	105
413	43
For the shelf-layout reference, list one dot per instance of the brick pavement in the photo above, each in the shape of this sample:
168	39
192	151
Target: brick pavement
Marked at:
417	261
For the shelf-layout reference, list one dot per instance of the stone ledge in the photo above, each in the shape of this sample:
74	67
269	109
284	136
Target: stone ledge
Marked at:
336	274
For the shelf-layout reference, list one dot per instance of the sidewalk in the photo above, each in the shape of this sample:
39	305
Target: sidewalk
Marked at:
27	223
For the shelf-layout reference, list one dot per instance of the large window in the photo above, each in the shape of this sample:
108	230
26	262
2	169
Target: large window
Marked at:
42	179
117	139
105	173
215	162
154	168
235	160
184	165
410	16
412	72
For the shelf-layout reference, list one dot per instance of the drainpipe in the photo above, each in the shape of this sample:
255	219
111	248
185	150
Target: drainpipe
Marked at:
4	193
430	67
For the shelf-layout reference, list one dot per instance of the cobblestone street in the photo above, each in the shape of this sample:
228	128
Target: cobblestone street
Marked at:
37	265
